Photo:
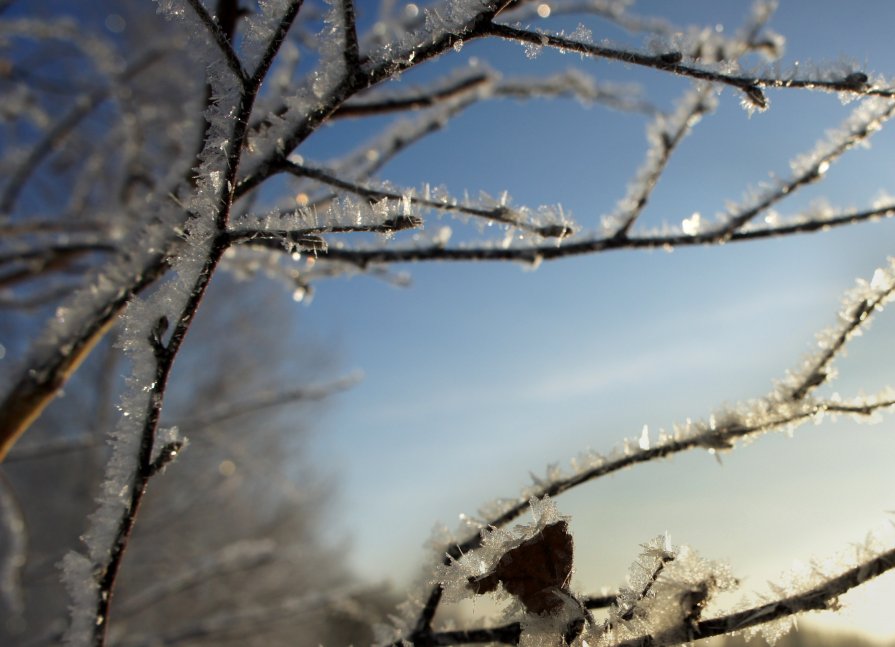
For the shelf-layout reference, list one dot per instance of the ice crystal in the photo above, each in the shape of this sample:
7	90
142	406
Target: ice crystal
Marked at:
668	589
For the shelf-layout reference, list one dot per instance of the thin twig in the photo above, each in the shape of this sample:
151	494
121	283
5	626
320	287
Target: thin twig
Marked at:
498	214
274	45
670	62
363	257
352	50
220	39
723	435
820	597
656	163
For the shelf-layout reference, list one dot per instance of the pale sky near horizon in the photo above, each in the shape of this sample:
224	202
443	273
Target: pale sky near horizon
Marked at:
478	374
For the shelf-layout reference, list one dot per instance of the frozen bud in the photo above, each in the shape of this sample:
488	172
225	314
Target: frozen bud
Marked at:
855	80
670	58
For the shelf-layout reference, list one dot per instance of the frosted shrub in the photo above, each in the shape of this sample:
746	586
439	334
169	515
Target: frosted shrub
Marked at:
217	178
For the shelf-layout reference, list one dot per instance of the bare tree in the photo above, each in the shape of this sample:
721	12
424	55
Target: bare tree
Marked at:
211	178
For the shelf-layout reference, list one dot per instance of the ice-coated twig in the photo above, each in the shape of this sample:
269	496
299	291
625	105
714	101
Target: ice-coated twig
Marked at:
50	367
424	98
868	297
501	213
855	83
365	257
664	135
220	39
658	559
273	46
867	119
720	437
818	598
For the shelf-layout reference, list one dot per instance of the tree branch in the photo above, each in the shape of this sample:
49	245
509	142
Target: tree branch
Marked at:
352	50
855	83
821	597
499	214
274	45
221	40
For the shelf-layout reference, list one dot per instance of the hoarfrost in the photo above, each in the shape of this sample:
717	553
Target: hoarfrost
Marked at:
259	27
864	121
663	135
668	589
80	581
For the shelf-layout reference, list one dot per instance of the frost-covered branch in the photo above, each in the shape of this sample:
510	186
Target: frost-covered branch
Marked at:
665	134
809	168
820	597
220	38
786	407
856	83
168	223
500	213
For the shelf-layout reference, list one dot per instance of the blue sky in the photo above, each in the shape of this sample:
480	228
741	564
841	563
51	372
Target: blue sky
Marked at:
479	373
